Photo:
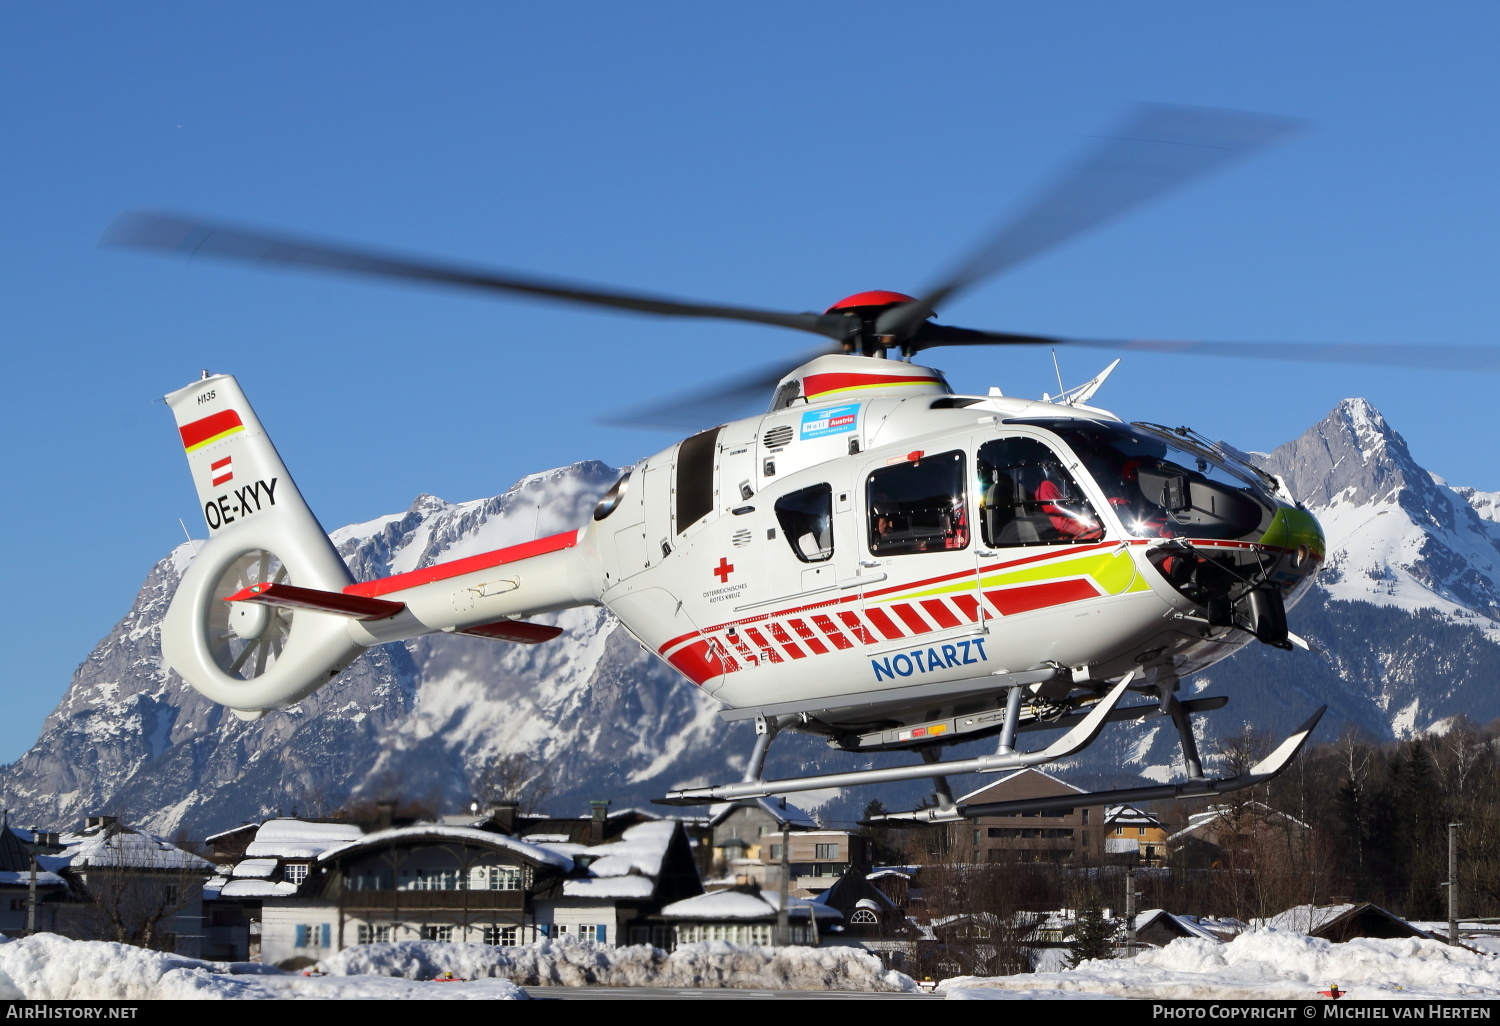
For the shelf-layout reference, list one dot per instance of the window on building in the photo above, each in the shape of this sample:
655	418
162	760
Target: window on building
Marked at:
374	933
806	518
506	878
825	851
921	506
776	852
433	932
501	936
314	935
1140	831
864	916
294	872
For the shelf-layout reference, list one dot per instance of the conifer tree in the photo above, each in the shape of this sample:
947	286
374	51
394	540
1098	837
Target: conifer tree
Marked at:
1091	937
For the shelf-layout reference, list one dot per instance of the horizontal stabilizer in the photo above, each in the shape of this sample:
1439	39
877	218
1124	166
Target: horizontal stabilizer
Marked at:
521	632
290	596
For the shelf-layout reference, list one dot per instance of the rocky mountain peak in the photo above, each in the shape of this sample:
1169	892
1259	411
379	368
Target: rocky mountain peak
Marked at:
1351	456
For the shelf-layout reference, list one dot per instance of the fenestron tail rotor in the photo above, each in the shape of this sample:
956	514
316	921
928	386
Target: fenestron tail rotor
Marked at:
247	638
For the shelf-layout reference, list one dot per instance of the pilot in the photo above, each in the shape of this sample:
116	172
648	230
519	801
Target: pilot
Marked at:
1073	525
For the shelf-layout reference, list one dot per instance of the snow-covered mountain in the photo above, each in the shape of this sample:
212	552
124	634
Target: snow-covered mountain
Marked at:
1406	617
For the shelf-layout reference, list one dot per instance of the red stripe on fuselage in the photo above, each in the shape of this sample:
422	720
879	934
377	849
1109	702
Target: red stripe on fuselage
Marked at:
458	567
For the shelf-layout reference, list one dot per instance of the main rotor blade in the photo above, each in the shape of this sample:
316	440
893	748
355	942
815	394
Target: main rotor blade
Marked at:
1157	149
715	404
189	237
1437	357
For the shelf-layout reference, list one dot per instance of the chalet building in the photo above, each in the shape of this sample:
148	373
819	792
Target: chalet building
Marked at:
1216	833
1133	837
29	875
1072	837
127	885
746	914
304	890
1343	922
1158	928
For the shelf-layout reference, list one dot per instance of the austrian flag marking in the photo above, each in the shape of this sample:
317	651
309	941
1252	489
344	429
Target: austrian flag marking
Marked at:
222	470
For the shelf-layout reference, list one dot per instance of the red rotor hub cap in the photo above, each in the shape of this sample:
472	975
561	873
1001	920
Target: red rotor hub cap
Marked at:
877	297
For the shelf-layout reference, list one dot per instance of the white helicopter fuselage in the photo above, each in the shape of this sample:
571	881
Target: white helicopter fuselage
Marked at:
842	560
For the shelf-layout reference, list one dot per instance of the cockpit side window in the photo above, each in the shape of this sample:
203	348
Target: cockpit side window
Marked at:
920	506
1027	498
806	518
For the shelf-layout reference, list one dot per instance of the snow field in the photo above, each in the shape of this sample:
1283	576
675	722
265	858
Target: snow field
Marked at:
1263	964
48	967
570	963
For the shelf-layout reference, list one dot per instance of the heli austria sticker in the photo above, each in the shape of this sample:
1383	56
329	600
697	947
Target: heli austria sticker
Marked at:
836	420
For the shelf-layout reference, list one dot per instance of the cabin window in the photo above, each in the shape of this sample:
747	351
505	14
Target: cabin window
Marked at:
695	478
806	518
919	506
1027	498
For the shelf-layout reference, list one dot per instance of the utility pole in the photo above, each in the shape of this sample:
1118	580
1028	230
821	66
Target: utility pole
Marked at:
783	921
1130	896
1453	882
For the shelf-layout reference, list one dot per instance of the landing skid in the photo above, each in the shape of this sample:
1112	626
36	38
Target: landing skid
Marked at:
1085	727
1194	787
1071	743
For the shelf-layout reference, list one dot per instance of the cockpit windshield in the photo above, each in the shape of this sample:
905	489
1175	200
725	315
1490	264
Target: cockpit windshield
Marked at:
1162	490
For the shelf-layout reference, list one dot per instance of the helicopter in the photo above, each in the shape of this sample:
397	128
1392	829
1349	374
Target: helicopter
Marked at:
878	559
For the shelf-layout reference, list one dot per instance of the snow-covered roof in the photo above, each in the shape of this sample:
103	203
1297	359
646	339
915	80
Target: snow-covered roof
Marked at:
1128	815
641	887
299	839
1017	773
743	905
123	848
1199	820
256	889
640	849
1189	924
1311	918
439	833
791	814
550	839
211	838
12	878
255	869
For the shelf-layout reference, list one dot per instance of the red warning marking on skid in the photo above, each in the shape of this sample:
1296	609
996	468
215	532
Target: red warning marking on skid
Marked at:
829	628
911	618
1040	596
940	613
808	637
857	627
884	624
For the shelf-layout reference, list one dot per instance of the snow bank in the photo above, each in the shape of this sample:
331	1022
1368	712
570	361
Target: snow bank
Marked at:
1268	964
569	963
48	967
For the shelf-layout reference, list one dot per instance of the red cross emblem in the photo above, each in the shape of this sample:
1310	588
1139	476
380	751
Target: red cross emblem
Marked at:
723	570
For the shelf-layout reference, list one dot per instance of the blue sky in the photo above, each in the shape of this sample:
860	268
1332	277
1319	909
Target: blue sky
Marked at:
775	154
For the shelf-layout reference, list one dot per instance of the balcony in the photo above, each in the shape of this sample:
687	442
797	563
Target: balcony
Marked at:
455	901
